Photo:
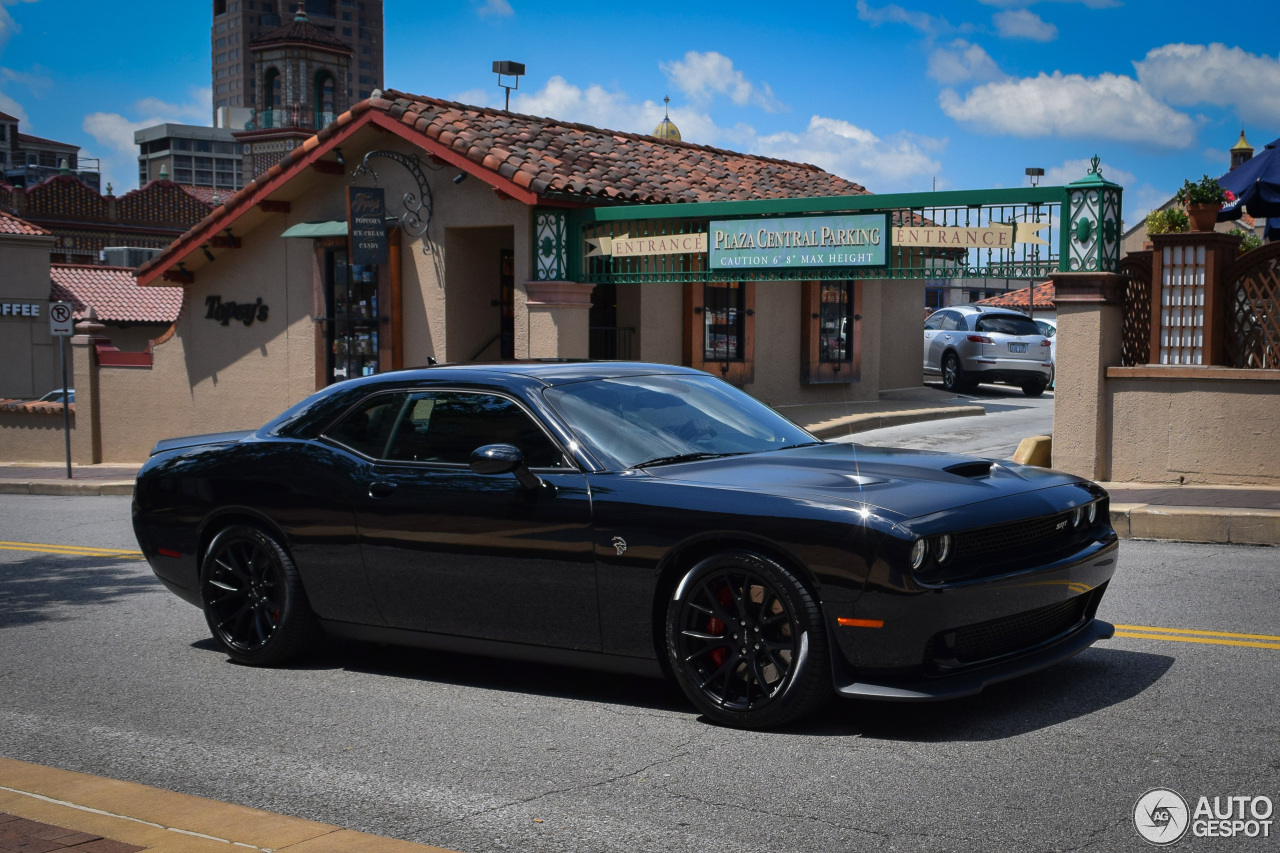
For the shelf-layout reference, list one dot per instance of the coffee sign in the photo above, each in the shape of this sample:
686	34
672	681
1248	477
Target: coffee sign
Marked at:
366	212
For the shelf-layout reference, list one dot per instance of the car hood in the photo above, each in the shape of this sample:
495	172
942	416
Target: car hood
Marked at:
896	484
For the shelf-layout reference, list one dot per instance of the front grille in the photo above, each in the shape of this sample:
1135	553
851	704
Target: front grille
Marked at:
1012	537
987	640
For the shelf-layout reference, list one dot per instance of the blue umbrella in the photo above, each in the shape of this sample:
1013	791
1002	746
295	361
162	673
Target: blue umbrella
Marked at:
1256	184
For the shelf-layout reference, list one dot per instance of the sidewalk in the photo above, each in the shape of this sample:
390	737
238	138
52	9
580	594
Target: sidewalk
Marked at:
45	810
1243	515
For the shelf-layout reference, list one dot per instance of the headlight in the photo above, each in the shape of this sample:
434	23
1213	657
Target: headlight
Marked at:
1092	513
1077	516
918	552
942	548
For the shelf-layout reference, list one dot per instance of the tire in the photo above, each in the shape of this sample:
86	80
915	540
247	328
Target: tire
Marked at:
253	599
1034	389
953	374
783	670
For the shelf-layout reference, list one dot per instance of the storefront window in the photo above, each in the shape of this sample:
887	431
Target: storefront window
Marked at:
830	343
719	329
723	316
351	314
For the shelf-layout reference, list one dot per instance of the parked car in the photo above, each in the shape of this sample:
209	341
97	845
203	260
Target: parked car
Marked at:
968	344
1049	328
58	395
639	518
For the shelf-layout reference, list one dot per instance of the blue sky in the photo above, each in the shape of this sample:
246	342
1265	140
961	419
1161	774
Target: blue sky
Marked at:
899	97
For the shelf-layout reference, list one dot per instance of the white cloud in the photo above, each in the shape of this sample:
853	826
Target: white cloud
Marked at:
1018	4
899	162
1074	170
494	8
114	132
1214	74
36	81
963	62
702	76
13	108
929	25
8	26
1023	24
1108	106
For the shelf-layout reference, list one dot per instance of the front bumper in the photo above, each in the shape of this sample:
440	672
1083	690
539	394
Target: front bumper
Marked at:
950	641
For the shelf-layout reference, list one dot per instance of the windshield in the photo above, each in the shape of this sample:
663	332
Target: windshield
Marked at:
635	421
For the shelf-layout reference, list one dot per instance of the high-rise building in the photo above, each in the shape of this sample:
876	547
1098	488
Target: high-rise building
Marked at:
358	23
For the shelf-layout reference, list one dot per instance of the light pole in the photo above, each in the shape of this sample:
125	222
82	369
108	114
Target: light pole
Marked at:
507	68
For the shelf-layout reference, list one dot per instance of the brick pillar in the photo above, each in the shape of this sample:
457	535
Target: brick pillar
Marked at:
1090	317
559	318
86	440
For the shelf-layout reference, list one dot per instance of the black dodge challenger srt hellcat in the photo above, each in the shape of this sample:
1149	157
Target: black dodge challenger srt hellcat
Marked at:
633	517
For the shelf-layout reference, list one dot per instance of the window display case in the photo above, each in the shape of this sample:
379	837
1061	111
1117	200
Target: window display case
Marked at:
351	318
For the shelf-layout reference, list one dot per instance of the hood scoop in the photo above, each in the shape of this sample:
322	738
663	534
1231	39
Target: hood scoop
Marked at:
973	470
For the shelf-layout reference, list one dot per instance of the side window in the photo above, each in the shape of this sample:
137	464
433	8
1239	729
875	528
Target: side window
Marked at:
934	321
951	321
446	426
368	427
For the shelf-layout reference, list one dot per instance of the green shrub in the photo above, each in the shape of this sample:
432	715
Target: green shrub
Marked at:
1171	221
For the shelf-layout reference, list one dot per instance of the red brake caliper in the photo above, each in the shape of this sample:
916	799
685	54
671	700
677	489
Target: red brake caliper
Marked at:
715	626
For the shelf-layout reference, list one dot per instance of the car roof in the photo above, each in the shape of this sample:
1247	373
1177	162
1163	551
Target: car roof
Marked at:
983	309
547	371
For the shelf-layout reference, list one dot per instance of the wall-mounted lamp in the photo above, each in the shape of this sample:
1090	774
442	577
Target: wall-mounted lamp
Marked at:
209	256
461	176
342	161
507	68
1035	174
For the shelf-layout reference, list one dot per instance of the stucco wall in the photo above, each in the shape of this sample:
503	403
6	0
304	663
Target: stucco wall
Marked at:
473	257
901	332
33	436
1214	431
27	350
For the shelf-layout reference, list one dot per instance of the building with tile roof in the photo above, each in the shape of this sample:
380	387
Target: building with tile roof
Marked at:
488	234
1042	294
115	296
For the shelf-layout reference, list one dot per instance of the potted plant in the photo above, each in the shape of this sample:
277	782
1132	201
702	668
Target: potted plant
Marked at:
1171	221
1203	199
1248	239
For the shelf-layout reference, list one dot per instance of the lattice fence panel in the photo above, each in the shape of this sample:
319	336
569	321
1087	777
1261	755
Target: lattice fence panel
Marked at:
1135	331
1253	311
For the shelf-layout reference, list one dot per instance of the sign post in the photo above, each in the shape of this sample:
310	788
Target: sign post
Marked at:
62	326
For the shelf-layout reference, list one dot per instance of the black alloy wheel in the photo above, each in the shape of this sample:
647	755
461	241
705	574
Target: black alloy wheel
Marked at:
253	599
952	373
746	642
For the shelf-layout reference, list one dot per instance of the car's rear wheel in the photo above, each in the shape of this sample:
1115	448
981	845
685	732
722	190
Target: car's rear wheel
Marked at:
746	641
1034	388
253	598
953	378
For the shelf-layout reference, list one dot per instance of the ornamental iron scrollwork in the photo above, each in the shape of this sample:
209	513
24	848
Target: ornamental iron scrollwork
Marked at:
416	218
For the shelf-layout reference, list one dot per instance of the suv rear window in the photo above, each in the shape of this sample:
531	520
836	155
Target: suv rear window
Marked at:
1007	324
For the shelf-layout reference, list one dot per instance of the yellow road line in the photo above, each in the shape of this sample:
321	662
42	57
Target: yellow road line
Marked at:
1199	632
70	550
1205	640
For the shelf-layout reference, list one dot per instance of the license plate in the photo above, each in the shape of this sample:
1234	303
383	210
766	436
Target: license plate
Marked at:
1017	347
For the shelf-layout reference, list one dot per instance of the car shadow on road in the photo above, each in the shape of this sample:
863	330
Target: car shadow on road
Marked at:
32	587
491	674
1094	680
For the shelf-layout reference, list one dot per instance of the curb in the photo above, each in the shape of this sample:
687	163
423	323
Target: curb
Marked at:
66	487
875	420
1216	525
166	822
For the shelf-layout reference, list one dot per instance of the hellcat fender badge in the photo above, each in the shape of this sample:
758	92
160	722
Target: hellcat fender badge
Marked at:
620	544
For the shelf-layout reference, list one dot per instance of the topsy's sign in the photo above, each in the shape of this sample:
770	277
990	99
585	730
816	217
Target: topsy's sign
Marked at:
855	240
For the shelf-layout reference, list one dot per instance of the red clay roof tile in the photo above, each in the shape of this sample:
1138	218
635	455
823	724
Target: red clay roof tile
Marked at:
10	224
1045	294
114	294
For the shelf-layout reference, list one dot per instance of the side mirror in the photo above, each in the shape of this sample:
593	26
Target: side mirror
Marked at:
503	459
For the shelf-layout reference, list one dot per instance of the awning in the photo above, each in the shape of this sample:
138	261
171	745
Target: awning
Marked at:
316	230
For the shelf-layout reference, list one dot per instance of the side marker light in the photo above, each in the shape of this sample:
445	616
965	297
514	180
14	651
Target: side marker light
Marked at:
860	623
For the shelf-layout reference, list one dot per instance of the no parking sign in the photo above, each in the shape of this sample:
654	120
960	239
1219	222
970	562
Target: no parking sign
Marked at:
61	319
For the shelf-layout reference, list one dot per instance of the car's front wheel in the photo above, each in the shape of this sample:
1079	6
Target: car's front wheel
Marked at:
746	641
253	598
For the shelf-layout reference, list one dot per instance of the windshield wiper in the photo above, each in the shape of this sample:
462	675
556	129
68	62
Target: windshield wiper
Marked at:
682	457
802	444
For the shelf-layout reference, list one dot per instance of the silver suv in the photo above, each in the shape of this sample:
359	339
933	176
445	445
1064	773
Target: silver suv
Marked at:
968	344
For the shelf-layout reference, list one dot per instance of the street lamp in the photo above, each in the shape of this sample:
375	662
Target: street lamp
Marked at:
507	68
1035	174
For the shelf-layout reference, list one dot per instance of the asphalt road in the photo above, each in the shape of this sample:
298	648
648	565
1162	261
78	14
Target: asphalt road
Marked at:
1011	416
103	671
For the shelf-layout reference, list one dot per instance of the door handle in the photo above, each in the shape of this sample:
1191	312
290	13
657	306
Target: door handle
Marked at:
381	489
